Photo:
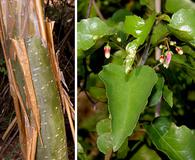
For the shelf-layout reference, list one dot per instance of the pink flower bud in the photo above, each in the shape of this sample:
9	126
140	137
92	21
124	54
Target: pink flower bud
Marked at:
107	49
168	56
179	50
162	59
168	59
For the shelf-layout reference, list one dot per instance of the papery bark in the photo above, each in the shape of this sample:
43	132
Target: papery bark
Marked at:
34	79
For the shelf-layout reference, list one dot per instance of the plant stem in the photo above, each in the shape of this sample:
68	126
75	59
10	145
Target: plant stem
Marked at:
157	54
158	6
155	67
108	155
158	106
89	8
146	53
98	10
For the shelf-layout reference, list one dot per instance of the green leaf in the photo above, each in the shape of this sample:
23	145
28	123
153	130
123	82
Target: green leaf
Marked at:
157	92
173	5
81	153
131	49
184	63
123	150
98	93
119	15
119	56
164	17
134	25
84	41
140	29
144	2
144	153
80	148
176	142
149	3
147	28
182	26
160	31
91	119
80	66
168	95
127	97
96	88
104	142
89	31
103	126
188	50
94	80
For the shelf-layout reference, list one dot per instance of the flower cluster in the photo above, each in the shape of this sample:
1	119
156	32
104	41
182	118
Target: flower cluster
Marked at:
166	55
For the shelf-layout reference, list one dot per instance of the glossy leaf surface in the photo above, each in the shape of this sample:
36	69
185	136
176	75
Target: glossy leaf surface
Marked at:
127	97
176	142
89	30
182	25
134	25
173	5
139	27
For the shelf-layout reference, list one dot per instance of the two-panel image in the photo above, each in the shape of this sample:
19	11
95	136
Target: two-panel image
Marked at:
97	80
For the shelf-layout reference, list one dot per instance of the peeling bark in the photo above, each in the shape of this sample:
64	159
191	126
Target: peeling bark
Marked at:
34	79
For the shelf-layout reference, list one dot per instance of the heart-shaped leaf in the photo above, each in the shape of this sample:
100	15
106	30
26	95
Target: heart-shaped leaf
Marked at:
176	142
127	97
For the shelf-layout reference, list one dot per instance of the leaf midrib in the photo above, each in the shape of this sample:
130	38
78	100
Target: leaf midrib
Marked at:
166	143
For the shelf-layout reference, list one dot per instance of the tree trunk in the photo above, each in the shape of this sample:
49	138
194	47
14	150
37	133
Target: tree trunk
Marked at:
34	79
